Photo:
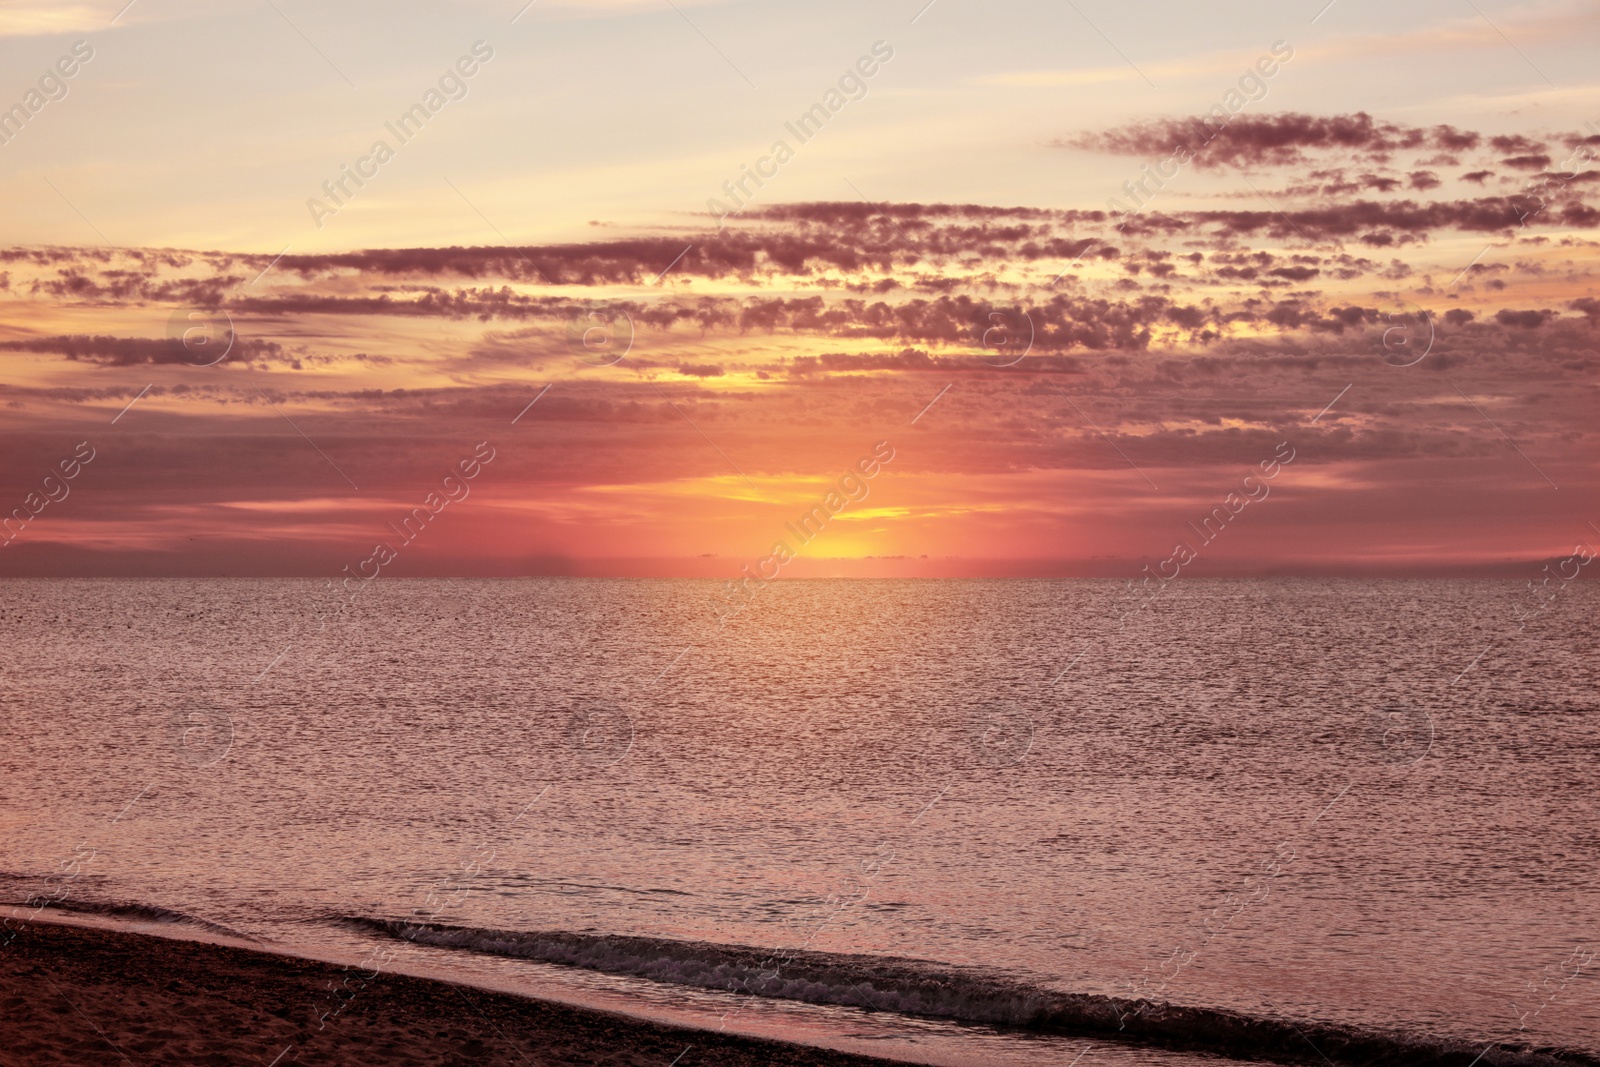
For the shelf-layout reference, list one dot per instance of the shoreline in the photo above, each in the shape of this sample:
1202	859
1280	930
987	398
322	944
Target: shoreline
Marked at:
83	995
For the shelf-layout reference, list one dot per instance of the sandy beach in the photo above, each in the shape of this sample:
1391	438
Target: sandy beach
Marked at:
73	995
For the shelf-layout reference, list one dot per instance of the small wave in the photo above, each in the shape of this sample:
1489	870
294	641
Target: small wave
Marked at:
968	994
147	912
594	885
50	883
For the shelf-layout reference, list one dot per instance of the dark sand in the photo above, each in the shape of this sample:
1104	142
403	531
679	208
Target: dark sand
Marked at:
72	995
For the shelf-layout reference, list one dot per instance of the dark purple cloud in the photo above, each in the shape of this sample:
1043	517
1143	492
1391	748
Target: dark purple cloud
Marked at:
1274	140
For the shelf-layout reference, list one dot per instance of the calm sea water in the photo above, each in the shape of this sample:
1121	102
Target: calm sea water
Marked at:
1362	803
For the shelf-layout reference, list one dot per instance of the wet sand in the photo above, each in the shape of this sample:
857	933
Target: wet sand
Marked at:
74	995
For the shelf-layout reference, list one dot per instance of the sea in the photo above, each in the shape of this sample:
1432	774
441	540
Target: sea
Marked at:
943	821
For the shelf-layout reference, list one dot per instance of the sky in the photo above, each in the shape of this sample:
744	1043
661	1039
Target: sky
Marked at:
1090	288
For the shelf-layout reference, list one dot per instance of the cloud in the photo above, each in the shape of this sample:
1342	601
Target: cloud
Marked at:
130	351
1526	320
1273	140
1375	223
1532	161
30	18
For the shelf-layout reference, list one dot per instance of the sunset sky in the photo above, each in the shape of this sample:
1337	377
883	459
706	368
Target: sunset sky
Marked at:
1370	233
